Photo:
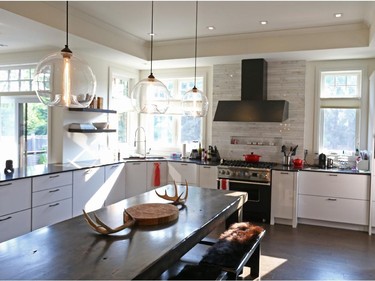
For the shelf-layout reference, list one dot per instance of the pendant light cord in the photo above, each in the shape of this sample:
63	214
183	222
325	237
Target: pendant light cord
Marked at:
152	34
196	44
67	52
67	23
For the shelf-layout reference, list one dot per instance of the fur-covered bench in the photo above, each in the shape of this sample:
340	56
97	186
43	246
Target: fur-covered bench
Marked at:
237	247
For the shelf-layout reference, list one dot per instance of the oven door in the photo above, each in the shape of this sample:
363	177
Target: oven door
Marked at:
258	206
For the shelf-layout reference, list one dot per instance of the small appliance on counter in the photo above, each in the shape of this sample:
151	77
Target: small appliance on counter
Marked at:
329	163
322	161
8	167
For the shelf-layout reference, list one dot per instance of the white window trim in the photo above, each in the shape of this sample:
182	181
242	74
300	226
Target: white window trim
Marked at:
363	102
174	74
132	116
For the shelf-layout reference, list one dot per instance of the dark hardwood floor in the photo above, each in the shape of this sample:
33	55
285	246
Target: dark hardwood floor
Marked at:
316	253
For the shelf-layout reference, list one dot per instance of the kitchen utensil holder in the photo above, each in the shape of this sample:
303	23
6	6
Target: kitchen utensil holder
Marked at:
287	160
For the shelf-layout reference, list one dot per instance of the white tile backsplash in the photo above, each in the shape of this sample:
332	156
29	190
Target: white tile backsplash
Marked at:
286	80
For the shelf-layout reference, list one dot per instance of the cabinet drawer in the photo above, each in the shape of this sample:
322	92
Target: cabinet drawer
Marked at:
51	213
51	195
15	196
52	180
333	209
335	185
180	172
15	224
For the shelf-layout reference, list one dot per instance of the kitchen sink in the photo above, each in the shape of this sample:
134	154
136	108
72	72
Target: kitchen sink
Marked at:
143	158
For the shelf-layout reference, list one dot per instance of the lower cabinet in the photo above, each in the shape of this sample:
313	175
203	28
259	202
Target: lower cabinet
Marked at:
15	224
333	209
51	213
334	197
136	178
179	172
283	198
15	208
114	183
151	170
208	176
88	193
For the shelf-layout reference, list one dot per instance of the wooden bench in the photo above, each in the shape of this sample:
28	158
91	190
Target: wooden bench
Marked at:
196	265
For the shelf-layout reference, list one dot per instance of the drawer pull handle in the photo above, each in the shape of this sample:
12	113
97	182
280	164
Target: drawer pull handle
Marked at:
54	205
284	173
8	218
55	190
206	167
55	176
332	175
114	166
136	163
5	184
183	164
332	199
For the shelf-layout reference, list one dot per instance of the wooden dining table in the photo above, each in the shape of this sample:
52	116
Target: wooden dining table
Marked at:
72	250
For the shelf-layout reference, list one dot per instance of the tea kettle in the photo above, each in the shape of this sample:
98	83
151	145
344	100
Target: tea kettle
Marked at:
322	161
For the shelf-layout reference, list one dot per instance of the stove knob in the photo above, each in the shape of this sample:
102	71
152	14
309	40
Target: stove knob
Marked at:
247	174
229	173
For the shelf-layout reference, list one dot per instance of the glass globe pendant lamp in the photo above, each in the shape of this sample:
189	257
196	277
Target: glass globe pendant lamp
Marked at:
63	79
150	95
195	102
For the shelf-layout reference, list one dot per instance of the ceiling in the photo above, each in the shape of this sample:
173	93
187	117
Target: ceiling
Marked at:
119	30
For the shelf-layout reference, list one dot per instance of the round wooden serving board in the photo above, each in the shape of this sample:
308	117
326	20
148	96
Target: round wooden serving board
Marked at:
153	213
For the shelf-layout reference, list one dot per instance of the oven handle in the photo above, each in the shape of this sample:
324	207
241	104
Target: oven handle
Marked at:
248	182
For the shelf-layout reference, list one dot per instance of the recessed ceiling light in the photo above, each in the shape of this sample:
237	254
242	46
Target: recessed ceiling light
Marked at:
211	27
338	15
151	34
263	22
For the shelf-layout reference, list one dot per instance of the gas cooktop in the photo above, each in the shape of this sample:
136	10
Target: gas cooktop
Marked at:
242	163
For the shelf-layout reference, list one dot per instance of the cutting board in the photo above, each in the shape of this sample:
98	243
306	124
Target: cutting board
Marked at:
153	213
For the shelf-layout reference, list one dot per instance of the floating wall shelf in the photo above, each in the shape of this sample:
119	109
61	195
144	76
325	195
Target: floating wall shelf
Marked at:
93	110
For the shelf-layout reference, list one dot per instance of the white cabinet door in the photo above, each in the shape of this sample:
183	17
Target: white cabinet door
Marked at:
51	195
15	196
53	180
180	172
87	190
333	209
51	213
163	167
341	198
334	184
115	183
283	195
208	176
135	178
15	224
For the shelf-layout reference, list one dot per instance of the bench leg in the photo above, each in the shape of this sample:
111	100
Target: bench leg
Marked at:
254	263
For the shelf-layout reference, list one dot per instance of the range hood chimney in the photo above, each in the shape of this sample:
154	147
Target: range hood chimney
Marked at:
253	106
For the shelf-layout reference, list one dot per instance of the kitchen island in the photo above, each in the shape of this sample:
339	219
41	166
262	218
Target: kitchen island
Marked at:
72	250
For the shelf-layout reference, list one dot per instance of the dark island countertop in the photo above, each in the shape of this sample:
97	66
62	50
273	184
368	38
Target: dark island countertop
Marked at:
72	250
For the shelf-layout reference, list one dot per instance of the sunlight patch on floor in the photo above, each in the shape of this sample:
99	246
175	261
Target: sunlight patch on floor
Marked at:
268	264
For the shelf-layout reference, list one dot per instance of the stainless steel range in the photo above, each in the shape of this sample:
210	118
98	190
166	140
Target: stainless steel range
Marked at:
253	178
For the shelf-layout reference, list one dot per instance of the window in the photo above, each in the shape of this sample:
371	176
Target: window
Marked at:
23	119
120	83
340	111
16	79
169	131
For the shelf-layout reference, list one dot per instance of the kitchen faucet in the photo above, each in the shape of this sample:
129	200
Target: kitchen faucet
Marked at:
136	139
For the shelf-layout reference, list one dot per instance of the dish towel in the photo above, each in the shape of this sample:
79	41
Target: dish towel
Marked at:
224	184
156	174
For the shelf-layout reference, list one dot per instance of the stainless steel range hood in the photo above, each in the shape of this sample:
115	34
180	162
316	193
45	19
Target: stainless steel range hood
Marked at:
253	106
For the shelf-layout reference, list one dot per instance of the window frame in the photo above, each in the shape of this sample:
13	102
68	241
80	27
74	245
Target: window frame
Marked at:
131	118
359	103
178	74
